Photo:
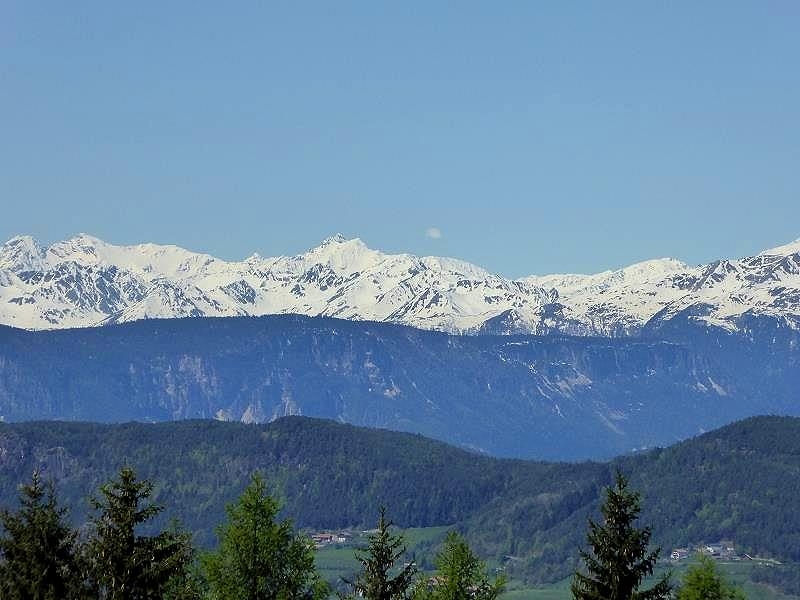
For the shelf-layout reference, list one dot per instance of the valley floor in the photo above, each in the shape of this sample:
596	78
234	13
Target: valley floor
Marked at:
337	560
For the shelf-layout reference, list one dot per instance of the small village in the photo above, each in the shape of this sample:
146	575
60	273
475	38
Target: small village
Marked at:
322	539
722	550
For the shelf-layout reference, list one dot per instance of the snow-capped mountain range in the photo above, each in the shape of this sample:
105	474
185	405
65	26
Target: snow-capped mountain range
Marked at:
84	282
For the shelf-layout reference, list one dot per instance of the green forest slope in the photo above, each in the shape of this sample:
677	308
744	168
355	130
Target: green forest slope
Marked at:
740	482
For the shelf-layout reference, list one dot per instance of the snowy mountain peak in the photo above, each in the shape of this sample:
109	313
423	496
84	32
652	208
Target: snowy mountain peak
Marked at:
637	274
785	250
81	248
336	238
85	281
342	254
653	269
22	241
21	253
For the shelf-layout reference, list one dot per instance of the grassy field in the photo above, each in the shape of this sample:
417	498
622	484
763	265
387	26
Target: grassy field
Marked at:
736	572
556	591
336	561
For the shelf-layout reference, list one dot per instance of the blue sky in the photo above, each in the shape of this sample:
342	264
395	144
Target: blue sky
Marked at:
535	137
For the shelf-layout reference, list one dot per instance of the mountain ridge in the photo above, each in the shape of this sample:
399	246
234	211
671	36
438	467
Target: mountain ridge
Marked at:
557	396
85	281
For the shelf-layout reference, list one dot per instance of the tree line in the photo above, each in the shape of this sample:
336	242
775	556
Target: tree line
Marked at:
736	483
260	557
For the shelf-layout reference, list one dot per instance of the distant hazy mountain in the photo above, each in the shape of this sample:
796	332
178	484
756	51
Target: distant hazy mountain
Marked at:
86	282
549	397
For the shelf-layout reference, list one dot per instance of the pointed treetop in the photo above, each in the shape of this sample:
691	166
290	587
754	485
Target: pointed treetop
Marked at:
619	557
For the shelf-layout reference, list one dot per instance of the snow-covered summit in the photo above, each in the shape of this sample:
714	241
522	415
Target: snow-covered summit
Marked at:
636	274
84	281
148	260
341	254
785	250
21	253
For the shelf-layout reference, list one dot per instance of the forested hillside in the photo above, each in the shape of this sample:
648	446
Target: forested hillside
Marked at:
738	483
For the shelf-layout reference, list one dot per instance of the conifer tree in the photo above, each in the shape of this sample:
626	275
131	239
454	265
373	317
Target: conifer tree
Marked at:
460	575
619	558
37	548
260	558
380	577
703	581
122	564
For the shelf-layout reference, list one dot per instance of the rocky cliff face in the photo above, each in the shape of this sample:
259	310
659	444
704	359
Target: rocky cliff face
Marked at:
545	397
